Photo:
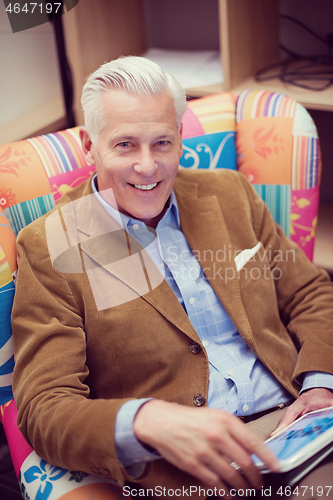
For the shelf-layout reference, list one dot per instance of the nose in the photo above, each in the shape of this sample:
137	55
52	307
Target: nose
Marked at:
145	164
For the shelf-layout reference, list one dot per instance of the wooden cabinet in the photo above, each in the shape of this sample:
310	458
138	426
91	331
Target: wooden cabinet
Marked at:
245	31
249	42
247	37
97	31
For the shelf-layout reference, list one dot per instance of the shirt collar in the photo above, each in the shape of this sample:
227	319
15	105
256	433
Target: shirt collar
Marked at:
125	221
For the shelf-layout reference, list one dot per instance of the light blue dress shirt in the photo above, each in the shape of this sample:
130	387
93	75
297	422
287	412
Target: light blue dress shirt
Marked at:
238	381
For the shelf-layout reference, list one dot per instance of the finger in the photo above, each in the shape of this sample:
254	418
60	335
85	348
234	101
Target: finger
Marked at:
291	414
312	399
191	464
205	473
199	465
254	445
245	465
251	473
238	446
230	473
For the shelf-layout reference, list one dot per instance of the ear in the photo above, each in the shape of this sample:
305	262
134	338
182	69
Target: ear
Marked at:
87	146
181	142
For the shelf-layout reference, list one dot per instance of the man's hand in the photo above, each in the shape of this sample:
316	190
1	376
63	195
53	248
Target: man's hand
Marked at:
203	442
313	399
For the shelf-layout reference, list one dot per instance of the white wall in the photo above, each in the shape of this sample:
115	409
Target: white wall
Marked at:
29	75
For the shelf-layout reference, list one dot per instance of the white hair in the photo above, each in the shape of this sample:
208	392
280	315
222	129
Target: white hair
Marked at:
135	75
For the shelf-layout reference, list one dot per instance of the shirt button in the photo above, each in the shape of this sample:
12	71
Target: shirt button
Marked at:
230	372
192	300
245	407
199	400
136	226
195	348
205	343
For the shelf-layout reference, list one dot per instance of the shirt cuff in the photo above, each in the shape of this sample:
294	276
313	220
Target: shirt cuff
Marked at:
131	453
313	380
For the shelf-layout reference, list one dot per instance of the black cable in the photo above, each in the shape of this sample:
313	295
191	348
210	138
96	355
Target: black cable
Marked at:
306	28
65	72
299	70
294	55
64	68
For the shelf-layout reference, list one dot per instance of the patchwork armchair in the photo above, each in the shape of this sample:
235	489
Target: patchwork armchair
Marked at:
268	137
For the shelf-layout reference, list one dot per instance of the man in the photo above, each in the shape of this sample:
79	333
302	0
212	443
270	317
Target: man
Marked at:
131	308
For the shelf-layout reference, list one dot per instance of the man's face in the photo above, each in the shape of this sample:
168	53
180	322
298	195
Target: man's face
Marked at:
137	153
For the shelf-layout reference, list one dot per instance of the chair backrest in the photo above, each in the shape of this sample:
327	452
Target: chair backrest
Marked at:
33	176
269	137
273	141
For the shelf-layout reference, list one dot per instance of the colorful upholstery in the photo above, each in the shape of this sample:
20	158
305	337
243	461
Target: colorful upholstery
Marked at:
209	131
270	138
33	175
275	146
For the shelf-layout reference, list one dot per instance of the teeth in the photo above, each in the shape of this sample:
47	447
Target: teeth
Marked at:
145	187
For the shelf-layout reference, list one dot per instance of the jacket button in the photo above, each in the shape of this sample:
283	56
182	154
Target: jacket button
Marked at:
195	348
199	399
95	470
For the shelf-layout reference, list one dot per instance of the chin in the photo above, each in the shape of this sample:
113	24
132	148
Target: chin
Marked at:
149	216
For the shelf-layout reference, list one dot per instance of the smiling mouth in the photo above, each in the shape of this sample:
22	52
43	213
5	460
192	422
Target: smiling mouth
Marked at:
145	187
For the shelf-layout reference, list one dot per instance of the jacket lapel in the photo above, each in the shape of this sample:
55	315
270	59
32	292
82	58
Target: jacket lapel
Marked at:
205	229
106	246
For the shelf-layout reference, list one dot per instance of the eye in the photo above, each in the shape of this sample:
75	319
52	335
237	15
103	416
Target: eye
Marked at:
124	144
162	143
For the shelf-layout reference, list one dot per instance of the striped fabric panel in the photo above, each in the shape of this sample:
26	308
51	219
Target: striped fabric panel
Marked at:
22	214
205	110
224	115
4	221
255	104
5	273
7	250
277	199
215	113
59	152
305	162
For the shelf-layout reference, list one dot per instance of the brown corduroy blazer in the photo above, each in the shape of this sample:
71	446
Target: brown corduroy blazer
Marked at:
82	350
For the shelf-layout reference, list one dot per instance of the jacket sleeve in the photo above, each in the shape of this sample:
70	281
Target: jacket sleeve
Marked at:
304	292
55	412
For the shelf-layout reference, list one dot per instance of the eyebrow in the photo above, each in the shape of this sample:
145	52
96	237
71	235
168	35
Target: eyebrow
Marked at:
164	136
125	138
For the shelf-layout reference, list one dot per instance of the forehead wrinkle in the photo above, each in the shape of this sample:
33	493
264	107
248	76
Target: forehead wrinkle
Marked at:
118	136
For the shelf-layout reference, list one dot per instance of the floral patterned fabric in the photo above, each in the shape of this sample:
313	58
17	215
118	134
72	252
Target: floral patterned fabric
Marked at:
33	175
277	144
